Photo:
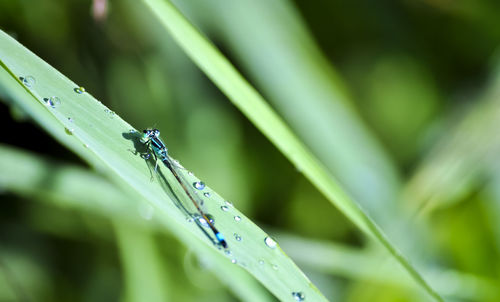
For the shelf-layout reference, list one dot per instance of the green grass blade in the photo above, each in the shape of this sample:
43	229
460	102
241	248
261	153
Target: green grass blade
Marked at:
459	161
103	139
143	272
23	174
247	99
271	42
369	265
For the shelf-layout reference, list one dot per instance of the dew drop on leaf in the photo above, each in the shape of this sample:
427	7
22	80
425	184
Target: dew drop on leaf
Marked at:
28	81
53	101
200	185
79	90
270	242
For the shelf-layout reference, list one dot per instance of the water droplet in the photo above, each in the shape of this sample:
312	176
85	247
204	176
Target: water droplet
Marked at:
79	90
189	219
206	194
132	131
70	119
53	101
224	208
228	252
234	261
237	218
237	237
28	81
202	220
261	262
275	267
270	242
86	146
111	113
229	204
190	173
69	130
200	185
146	211
299	296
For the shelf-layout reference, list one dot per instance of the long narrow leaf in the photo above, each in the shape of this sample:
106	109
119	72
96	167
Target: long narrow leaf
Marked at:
251	103
23	174
106	141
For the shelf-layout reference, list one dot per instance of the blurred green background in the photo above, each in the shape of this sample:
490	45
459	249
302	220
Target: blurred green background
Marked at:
399	100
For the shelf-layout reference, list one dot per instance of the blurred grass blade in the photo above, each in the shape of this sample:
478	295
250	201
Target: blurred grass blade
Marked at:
458	162
143	270
371	266
493	208
272	43
105	140
225	76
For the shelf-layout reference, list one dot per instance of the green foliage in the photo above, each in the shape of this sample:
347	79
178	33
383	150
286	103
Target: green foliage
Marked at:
116	149
257	110
380	118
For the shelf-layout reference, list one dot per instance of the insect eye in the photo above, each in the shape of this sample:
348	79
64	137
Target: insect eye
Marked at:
156	132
